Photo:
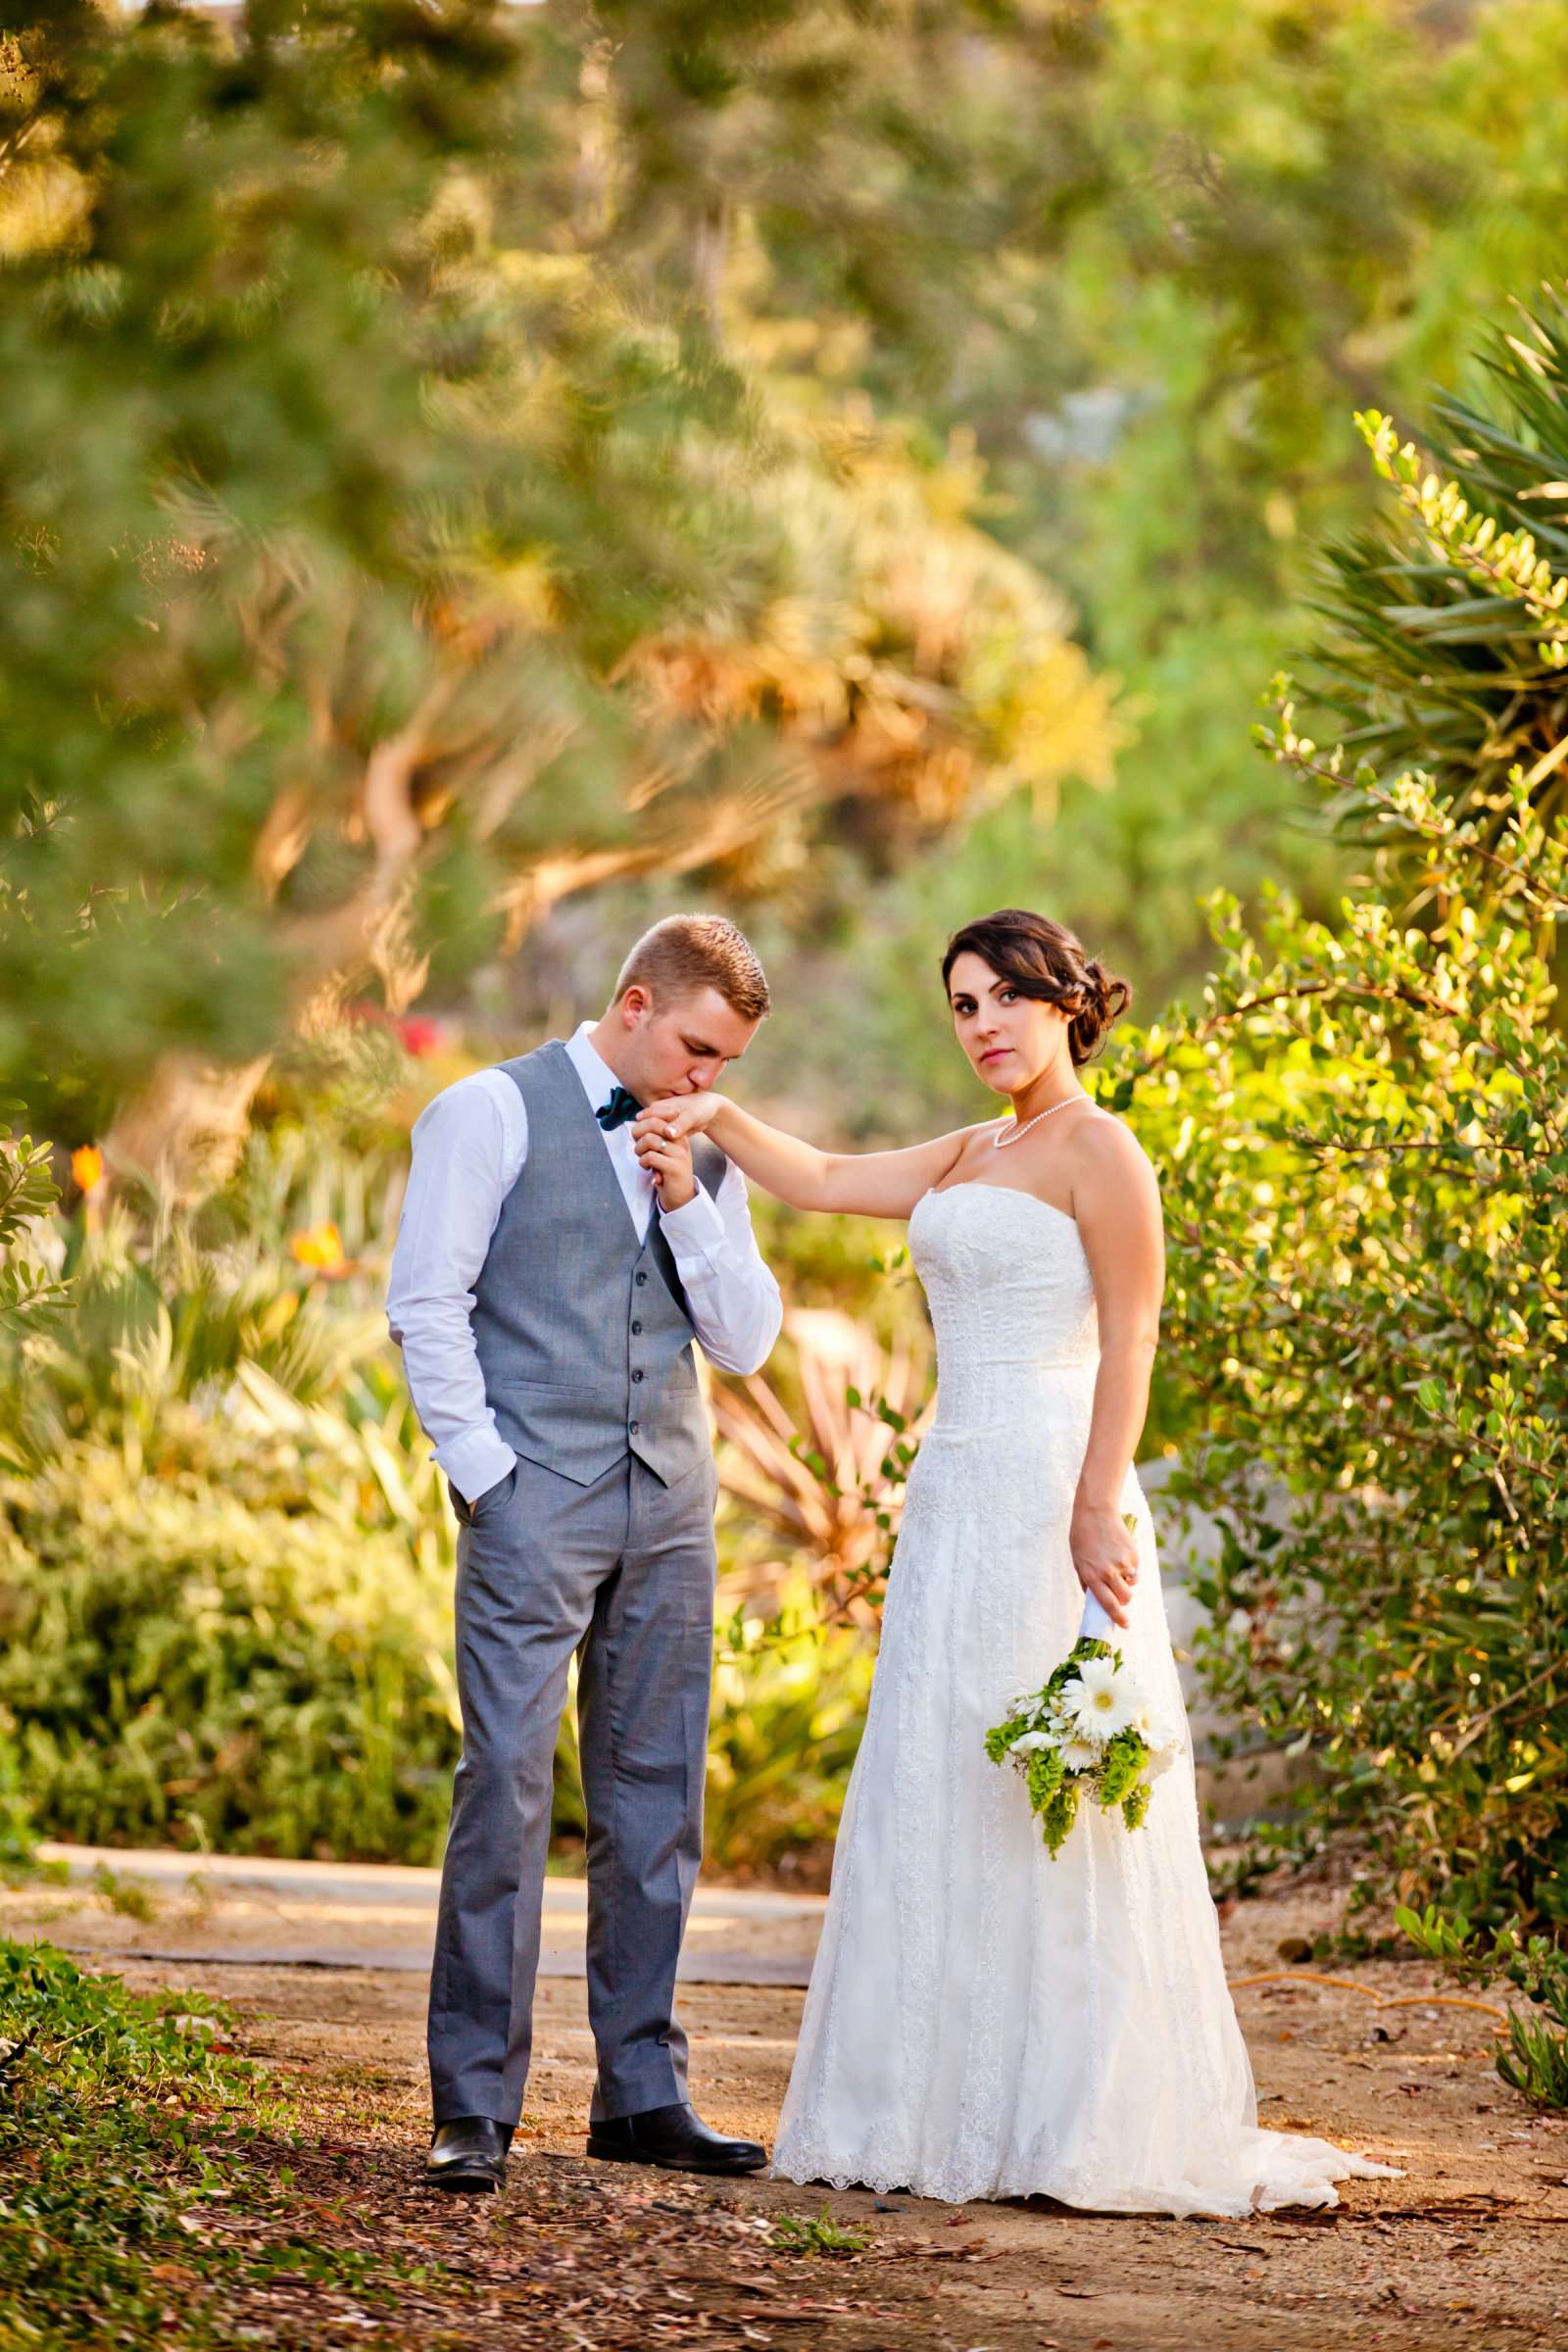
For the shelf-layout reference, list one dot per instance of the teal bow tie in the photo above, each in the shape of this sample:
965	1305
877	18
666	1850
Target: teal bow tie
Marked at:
620	1108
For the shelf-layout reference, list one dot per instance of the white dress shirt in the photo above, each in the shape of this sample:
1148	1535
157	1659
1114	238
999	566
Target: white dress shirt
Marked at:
469	1146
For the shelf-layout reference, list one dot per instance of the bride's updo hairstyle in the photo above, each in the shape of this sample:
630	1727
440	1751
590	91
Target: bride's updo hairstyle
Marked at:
1043	959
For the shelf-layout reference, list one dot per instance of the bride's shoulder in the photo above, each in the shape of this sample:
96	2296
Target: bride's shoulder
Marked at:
964	1145
1102	1148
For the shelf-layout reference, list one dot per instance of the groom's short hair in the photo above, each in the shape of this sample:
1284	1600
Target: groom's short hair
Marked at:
688	952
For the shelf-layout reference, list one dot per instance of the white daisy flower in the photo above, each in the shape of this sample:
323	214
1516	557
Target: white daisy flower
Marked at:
1069	1698
1099	1701
1158	1730
1080	1756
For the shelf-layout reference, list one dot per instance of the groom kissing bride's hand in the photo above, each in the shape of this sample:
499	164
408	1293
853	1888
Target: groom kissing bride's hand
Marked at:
661	1138
986	2017
662	1141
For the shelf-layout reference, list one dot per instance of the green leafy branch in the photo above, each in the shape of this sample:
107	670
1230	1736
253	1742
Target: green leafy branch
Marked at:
28	1292
1507	564
1534	2060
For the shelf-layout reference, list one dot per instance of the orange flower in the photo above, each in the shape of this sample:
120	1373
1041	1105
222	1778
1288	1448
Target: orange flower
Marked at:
319	1247
87	1168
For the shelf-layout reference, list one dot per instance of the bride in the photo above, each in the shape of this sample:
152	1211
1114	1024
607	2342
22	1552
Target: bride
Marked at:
983	2020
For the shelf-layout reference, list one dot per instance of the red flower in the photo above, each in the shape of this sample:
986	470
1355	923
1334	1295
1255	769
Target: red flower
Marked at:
418	1033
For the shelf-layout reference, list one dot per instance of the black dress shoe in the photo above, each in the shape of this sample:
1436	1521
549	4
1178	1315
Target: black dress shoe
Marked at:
467	2153
675	2138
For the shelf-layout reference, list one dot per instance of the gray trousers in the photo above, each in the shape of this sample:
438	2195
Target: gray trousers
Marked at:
621	1572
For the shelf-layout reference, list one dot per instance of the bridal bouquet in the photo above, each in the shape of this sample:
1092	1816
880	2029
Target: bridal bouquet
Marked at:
1090	1732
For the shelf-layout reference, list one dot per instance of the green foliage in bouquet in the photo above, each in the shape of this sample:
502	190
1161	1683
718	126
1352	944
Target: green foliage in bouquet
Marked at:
1116	1780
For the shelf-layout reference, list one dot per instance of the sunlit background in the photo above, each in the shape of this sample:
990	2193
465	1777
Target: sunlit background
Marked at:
475	479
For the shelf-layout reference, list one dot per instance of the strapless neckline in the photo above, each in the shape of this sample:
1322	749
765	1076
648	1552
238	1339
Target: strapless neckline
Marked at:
976	1184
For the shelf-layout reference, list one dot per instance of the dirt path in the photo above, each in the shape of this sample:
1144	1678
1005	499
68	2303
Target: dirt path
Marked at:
1470	2248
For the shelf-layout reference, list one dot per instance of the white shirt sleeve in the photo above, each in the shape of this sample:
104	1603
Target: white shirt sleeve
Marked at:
734	1299
469	1148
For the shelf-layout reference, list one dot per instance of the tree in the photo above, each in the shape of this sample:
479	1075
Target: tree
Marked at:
1448	639
392	540
1274	216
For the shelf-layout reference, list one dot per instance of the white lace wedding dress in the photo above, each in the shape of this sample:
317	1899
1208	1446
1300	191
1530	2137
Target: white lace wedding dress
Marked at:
983	2020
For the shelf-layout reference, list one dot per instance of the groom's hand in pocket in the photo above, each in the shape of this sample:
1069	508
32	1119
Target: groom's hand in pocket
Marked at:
493	1499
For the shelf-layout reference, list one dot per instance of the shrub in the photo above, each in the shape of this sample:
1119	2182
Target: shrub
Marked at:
1366	1173
185	1666
226	1577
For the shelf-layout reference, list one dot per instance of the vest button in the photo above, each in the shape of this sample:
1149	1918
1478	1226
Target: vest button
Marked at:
632	1429
636	1376
635	1329
640	1280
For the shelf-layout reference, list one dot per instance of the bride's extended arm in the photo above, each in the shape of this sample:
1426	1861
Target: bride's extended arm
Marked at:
1116	1201
868	1184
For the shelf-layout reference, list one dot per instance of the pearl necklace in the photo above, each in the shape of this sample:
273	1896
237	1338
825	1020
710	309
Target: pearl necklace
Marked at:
1000	1142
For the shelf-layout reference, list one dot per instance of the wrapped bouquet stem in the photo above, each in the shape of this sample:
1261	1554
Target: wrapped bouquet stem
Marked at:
1090	1731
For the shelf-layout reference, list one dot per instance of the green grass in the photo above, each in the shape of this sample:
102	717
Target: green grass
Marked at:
139	2172
798	2234
128	1897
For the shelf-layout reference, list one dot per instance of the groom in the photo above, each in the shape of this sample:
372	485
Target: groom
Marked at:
546	1288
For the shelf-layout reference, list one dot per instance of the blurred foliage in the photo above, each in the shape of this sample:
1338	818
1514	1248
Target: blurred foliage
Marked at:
789	1705
31	1296
421	544
558	446
823	1502
225	1578
1284	213
1308	209
226	1553
28	1292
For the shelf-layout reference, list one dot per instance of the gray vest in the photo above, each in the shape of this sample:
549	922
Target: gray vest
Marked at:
583	1332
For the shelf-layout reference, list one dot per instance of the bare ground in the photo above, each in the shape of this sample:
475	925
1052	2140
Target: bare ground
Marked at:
1470	2248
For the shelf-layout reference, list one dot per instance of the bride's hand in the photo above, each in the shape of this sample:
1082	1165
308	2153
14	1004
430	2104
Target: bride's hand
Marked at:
1104	1552
675	1117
